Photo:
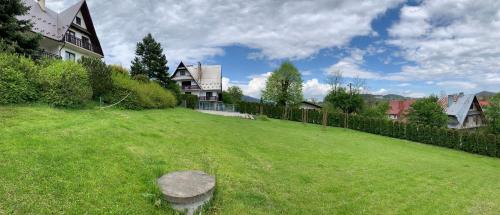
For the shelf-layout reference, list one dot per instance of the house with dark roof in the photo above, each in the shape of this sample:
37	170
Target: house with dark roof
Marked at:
204	81
69	34
464	111
398	109
309	106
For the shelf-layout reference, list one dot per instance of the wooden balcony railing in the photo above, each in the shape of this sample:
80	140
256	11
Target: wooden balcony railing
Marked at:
79	42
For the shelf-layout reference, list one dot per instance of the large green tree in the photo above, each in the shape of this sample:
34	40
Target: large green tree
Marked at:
379	110
234	95
427	111
150	61
16	35
345	100
284	86
492	113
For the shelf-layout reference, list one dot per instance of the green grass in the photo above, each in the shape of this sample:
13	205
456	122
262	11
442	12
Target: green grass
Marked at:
106	162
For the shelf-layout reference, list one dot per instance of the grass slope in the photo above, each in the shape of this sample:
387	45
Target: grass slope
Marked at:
96	162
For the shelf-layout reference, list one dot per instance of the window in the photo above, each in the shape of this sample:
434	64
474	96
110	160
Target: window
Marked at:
86	43
78	21
70	56
188	93
182	73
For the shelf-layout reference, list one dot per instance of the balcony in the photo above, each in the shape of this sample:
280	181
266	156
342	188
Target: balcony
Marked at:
79	42
208	98
190	87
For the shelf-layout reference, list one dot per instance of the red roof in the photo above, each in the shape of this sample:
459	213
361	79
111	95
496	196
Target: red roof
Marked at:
398	107
484	103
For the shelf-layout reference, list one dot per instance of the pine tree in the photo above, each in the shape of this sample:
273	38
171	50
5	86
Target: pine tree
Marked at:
150	61
16	35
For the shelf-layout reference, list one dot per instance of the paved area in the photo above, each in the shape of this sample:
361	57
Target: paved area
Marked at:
231	114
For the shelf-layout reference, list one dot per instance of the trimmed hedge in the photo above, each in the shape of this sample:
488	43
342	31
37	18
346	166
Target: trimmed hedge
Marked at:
488	145
136	95
65	84
18	77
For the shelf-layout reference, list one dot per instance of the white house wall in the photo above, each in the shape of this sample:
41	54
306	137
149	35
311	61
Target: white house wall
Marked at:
79	15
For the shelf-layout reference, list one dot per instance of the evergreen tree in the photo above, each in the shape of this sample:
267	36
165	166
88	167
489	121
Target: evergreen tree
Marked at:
16	35
150	61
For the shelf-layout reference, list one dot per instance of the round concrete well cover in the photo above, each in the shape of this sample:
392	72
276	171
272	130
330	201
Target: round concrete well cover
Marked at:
187	187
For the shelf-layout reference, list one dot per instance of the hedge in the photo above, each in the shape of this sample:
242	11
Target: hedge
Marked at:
131	94
18	77
488	145
191	101
65	84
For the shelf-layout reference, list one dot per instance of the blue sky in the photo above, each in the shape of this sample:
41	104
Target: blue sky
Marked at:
412	48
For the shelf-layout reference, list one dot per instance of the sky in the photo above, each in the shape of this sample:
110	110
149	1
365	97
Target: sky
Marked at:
413	48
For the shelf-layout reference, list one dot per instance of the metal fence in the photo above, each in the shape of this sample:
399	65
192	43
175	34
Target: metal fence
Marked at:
217	106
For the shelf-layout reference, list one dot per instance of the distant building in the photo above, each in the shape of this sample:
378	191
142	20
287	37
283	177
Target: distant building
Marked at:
69	34
204	81
484	103
398	109
309	106
464	111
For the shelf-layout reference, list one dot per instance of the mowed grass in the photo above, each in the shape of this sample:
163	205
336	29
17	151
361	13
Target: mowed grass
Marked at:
56	161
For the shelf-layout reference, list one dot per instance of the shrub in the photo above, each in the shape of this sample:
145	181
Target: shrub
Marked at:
119	69
65	84
135	95
99	76
191	101
17	79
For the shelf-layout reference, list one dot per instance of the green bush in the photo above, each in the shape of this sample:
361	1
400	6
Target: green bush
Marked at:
136	95
17	79
99	75
191	101
65	84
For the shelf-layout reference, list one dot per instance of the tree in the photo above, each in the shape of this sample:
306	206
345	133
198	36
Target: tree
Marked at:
492	113
427	111
284	86
99	75
234	93
335	80
150	61
16	35
378	111
345	101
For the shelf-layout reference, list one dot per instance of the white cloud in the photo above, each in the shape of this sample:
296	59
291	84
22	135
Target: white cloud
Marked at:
351	67
457	85
314	89
380	92
251	88
194	30
451	39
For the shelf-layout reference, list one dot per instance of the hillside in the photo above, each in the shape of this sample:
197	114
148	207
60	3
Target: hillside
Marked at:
485	95
106	162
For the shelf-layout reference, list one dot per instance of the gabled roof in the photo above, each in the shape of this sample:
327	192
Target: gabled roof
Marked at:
209	78
311	104
458	106
54	25
398	107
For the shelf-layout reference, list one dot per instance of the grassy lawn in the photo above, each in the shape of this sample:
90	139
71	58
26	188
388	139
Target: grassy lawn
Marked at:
72	161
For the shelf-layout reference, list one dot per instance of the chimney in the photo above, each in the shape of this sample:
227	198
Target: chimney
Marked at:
42	4
450	100
199	72
461	94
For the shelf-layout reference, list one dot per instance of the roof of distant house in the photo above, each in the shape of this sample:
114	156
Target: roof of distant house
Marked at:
484	103
398	107
209	78
457	105
312	104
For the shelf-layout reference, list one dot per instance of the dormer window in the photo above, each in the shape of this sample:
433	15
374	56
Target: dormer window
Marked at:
78	21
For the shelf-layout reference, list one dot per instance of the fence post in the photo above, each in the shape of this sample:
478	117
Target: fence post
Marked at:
325	119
